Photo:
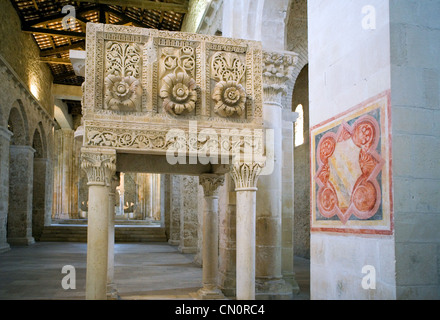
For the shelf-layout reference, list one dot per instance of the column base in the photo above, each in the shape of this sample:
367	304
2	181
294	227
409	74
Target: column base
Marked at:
273	289
291	280
4	247
112	292
208	294
173	242
21	241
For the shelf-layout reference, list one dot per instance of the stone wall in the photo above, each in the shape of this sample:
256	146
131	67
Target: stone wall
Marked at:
22	53
415	87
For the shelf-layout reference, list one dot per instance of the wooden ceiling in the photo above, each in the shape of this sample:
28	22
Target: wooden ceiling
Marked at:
44	20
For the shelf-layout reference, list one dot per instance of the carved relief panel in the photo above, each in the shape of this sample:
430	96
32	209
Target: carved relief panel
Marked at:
178	80
122	76
141	83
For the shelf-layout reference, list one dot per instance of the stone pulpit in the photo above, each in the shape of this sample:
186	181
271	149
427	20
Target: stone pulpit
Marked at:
169	102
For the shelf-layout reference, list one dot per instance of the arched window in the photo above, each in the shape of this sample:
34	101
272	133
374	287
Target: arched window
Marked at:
299	126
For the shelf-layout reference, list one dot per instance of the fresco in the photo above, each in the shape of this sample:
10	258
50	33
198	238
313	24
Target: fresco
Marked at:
351	170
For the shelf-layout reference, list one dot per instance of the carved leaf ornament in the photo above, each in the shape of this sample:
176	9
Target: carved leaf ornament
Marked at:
123	90
229	94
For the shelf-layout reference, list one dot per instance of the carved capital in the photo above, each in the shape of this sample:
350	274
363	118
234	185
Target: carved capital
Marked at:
277	70
211	184
246	174
99	165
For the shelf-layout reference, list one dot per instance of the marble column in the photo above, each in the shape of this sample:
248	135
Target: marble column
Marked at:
5	138
112	292
210	184
245	175
100	166
269	280
21	172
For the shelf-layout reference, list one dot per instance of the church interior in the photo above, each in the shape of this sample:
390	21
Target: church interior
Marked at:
219	150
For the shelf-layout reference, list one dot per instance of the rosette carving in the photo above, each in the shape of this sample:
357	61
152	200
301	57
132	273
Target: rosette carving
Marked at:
229	97
179	93
122	93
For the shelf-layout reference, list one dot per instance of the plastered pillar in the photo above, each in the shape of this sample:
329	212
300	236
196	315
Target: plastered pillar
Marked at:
210	184
245	175
100	166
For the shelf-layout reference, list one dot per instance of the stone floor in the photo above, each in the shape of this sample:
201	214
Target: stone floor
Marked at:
142	271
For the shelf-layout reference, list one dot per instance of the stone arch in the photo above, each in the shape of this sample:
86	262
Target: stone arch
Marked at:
39	142
300	96
296	39
257	20
17	125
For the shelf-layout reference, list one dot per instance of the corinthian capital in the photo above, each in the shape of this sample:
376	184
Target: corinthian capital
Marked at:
246	174
99	165
277	70
211	183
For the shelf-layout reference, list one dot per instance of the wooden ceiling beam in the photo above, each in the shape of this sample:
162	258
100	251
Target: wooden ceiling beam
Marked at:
57	17
53	32
145	4
51	52
55	60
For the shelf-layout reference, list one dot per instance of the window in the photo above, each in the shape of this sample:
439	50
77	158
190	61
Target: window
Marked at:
299	126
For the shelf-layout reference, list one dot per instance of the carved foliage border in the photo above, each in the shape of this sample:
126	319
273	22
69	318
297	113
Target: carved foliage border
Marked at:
154	139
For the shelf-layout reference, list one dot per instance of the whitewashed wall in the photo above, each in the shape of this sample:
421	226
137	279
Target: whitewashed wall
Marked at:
348	64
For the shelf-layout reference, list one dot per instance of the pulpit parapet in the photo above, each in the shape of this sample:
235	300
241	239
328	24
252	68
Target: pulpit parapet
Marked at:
140	84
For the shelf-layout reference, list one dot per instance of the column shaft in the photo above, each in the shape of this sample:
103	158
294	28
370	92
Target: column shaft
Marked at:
210	184
245	175
100	166
21	171
97	243
246	204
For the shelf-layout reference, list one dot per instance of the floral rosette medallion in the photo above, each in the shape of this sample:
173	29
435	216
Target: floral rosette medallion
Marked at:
123	93
179	93
230	98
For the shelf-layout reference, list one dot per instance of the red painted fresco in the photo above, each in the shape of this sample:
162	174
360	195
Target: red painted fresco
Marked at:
365	196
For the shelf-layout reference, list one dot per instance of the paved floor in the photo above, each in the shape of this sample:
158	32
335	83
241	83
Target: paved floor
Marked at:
142	271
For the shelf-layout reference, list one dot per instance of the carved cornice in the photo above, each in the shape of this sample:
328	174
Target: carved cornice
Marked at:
246	174
277	71
99	165
211	184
